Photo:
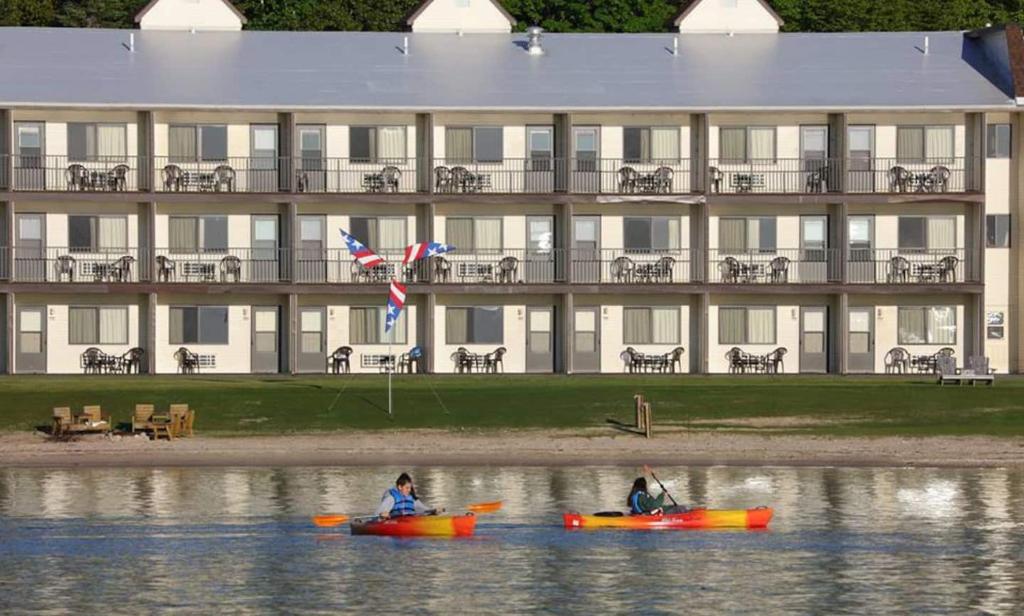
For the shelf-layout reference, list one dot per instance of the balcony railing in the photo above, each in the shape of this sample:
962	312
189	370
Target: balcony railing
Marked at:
903	266
62	264
822	175
629	177
774	266
60	173
232	265
630	266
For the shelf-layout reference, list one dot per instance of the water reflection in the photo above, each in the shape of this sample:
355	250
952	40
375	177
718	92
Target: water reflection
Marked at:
193	539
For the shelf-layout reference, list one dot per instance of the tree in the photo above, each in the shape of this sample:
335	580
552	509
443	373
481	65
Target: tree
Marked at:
26	12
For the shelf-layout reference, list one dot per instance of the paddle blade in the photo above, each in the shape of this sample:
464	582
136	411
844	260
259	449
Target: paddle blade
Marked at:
490	507
329	521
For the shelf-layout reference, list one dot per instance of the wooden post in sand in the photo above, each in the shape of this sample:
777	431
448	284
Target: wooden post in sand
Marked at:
647	419
638	407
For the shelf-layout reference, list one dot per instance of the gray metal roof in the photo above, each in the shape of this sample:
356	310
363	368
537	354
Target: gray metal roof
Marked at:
354	70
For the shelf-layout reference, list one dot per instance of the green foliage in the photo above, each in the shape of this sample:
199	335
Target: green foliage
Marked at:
553	15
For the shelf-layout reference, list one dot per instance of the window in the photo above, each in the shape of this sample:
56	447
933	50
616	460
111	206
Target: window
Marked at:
745	144
747	234
98	325
97	233
377	144
189	144
650	145
648	233
933	233
479	144
366	326
191	234
96	142
477	325
650	325
998	140
927	325
924	144
997	231
199	325
746	325
379	233
473	234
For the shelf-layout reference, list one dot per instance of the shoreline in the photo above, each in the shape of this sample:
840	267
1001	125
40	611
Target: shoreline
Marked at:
512	448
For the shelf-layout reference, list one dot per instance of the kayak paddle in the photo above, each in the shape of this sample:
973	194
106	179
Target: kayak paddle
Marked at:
490	507
661	485
332	520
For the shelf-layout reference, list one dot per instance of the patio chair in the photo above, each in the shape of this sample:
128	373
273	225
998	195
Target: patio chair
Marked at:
715	175
121	269
442	269
662	270
507	269
628	180
142	418
408	361
391	177
945	368
461	180
62	421
117	180
92	419
675	358
663	180
938	179
734	357
779	269
131	361
442	179
899	270
897	361
729	270
231	267
630	360
173	177
224	178
774	363
179	418
899	179
979	364
460	358
65	267
77	177
92	361
947	268
188	362
166	268
340	361
623	269
494	359
816	180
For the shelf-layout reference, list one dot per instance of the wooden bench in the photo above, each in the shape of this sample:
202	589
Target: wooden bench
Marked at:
976	371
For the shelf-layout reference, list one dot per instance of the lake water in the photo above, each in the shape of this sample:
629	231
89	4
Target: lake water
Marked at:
207	540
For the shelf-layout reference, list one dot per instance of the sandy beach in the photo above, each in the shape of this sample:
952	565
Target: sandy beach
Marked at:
512	447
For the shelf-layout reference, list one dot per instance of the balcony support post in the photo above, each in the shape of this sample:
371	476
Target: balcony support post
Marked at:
563	332
290	236
699	352
838	242
149	332
425	152
840	325
563	151
6	149
146	152
147	241
974	152
429	332
974	315
7	241
288	151
700	222
699	160
425	232
974	252
563	243
291	340
7	354
837	152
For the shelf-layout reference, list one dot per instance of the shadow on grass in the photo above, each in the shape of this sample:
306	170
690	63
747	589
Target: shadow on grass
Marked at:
623	427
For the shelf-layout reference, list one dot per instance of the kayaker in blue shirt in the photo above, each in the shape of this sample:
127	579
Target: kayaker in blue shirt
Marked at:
401	500
640	501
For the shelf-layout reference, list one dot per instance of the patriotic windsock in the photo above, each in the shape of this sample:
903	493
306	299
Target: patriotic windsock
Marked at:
366	257
423	250
396	301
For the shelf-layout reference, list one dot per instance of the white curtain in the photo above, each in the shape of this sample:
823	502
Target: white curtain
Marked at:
732	147
730	326
397	333
458	145
82	326
673	233
392	234
113	233
457	325
938	143
761	325
114	325
664	145
753	233
183	233
942	325
110	141
762	144
911	326
488	234
636	326
459	233
941	233
665	325
391	143
731	236
364	326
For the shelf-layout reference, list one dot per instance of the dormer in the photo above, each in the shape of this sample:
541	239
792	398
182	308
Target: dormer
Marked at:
467	16
189	15
724	16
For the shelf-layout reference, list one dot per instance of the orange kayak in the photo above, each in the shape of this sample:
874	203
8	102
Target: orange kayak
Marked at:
692	519
417	526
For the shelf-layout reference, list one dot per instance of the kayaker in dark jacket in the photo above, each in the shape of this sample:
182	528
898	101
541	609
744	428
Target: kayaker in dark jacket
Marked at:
401	500
641	502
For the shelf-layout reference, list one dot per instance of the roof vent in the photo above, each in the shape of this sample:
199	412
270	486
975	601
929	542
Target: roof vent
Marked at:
533	46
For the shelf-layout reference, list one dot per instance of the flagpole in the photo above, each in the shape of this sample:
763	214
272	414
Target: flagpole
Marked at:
391	360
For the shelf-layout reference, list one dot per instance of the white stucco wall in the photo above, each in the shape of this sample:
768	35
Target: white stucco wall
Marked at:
729	16
461	15
189	14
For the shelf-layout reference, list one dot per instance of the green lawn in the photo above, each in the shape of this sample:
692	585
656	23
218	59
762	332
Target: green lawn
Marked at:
273	405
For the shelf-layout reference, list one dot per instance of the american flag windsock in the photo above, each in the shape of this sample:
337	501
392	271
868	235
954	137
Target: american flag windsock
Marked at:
396	300
366	257
423	250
